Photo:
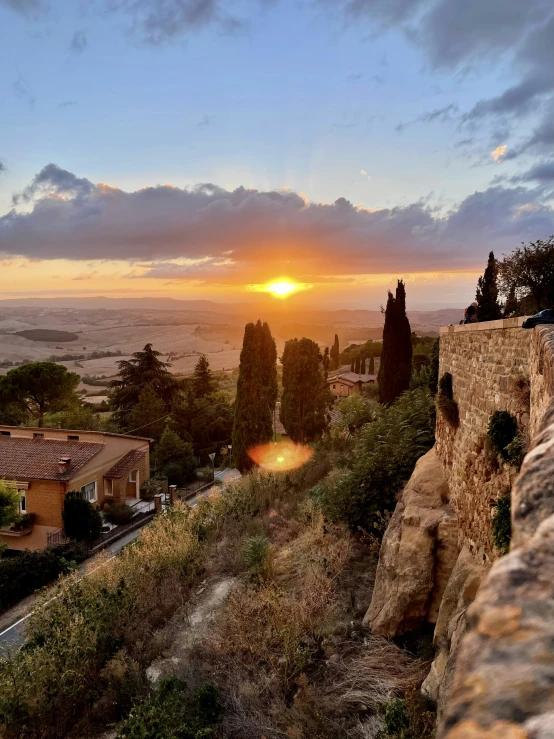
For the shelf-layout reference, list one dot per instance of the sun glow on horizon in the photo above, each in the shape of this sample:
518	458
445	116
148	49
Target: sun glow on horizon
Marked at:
281	288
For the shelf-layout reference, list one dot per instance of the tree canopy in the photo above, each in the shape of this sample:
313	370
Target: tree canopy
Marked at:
305	394
9	503
256	393
488	307
202	380
144	369
526	277
335	354
41	387
395	369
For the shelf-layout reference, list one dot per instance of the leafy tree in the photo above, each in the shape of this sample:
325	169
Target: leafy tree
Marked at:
256	393
143	370
395	368
305	393
488	307
207	423
78	416
42	387
13	411
384	457
81	519
371	368
148	415
175	458
528	272
203	383
9	503
335	354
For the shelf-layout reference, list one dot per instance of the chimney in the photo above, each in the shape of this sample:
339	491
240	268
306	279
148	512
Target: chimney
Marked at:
63	464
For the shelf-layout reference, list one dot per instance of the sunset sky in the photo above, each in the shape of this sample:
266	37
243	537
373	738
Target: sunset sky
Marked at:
203	148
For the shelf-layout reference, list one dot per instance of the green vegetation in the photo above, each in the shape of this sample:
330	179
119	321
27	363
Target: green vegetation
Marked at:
37	388
23	574
305	394
356	410
47	334
202	379
174	712
257	555
445	402
501	432
334	354
501	524
526	278
395	369
81	519
119	514
175	458
383	458
488	307
256	393
9	503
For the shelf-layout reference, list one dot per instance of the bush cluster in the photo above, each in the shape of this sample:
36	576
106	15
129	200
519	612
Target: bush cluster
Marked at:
445	402
82	520
24	573
119	514
384	457
501	523
505	439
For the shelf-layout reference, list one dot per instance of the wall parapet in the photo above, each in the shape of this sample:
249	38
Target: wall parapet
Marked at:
502	323
504	679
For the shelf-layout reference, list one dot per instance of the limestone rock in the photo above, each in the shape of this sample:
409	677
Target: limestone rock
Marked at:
417	555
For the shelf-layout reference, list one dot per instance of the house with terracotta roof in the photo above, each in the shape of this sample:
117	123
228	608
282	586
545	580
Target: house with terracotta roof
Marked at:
348	383
45	464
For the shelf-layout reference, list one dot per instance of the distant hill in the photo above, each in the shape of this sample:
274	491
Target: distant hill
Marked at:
47	334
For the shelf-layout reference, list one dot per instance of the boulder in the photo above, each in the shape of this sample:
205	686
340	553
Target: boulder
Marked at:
418	553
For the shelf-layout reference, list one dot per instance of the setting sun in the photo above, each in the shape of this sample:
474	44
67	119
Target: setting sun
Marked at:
281	288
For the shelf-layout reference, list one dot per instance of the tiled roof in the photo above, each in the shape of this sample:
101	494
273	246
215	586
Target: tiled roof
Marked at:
352	377
125	464
37	459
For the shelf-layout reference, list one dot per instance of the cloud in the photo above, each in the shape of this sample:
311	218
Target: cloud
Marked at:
204	123
78	43
3	167
251	235
464	142
443	114
25	7
513	101
541	172
67	103
541	140
23	91
499	153
86	276
365	174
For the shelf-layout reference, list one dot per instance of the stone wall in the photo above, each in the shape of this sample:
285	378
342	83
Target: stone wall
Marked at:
486	361
503	684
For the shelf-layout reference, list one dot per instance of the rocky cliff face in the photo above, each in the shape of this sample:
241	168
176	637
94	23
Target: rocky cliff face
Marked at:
417	555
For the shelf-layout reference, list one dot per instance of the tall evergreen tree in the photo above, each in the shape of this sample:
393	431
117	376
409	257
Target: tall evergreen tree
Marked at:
335	354
142	370
395	368
326	362
305	394
202	380
488	307
357	370
371	368
362	366
352	366
256	393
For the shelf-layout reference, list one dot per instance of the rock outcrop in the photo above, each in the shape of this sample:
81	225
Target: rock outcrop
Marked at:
417	555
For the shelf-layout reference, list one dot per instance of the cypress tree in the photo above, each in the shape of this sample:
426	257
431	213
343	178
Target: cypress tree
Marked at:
371	368
488	307
326	362
305	395
202	379
395	368
256	393
362	367
335	354
352	366
357	370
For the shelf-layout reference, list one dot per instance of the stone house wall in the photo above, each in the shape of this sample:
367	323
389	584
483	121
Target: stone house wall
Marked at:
485	361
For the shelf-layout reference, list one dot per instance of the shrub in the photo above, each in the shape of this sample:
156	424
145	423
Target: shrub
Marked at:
445	402
9	503
119	514
383	459
180	472
174	712
516	450
24	573
395	718
502	522
256	556
150	487
501	432
82	521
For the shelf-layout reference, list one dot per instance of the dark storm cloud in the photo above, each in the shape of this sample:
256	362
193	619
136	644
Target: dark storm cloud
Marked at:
514	100
541	141
78	43
70	217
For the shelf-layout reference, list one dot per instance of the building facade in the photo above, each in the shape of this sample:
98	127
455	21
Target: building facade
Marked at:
349	383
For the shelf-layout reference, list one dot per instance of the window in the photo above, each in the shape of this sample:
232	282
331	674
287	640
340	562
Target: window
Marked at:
23	502
133	476
72	437
38	436
89	492
6	433
334	387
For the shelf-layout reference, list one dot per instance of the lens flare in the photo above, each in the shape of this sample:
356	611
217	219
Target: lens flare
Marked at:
280	456
280	288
